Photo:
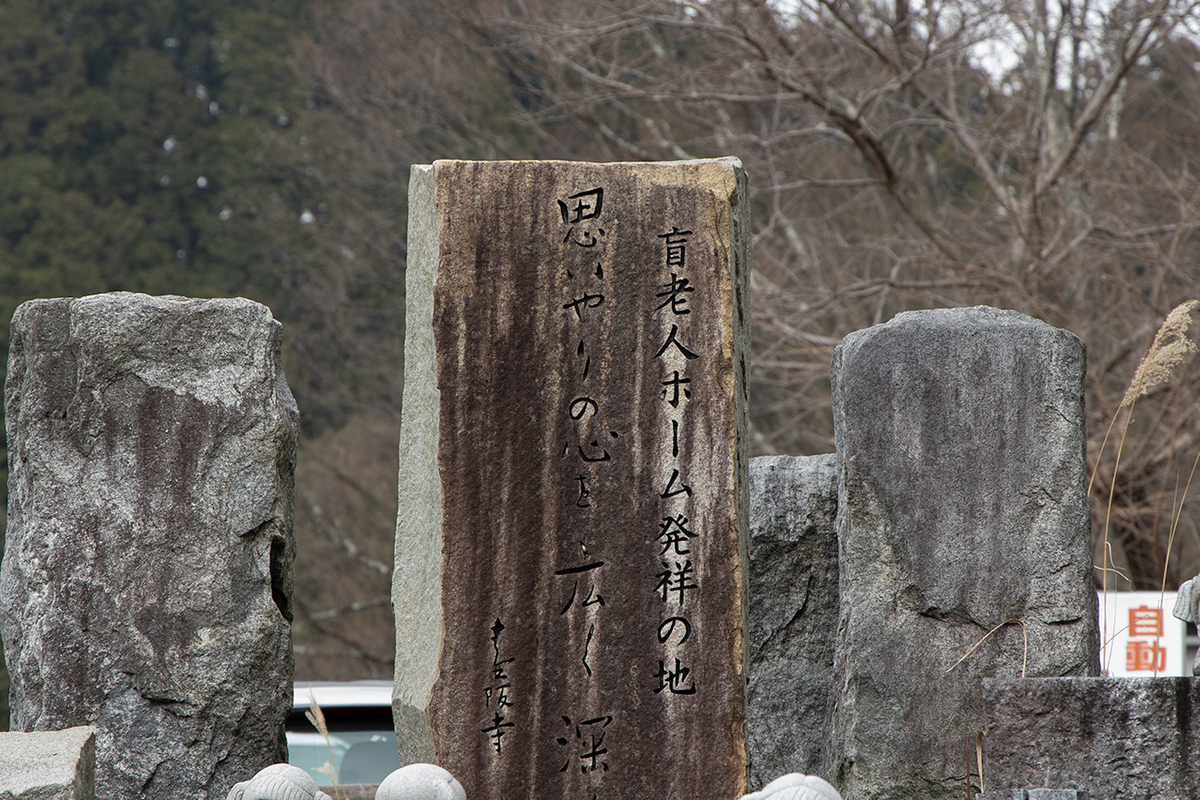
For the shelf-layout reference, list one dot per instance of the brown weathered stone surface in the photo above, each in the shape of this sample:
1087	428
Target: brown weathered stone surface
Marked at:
574	391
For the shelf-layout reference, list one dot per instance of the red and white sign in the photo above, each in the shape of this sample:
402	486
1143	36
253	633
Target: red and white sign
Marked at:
1140	637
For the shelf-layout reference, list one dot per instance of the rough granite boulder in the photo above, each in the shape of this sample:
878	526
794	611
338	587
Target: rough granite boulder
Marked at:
146	587
793	613
963	534
48	765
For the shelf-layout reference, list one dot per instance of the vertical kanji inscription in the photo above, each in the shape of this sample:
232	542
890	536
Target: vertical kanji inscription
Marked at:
585	327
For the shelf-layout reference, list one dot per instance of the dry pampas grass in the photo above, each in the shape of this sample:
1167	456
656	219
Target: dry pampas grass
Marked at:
317	718
1171	350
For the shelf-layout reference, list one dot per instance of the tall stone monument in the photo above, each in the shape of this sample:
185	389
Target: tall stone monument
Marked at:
570	550
963	534
146	587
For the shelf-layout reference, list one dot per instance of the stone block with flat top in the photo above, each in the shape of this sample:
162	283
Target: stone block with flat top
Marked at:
963	535
48	765
1035	794
570	553
1121	738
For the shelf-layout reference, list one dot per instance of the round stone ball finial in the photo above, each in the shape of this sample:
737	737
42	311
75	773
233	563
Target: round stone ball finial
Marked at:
278	782
796	787
420	782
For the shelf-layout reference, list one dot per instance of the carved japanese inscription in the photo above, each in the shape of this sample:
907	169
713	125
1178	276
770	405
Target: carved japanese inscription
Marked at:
570	551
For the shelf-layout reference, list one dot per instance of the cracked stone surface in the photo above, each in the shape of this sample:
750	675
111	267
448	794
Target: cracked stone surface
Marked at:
962	510
793	613
147	581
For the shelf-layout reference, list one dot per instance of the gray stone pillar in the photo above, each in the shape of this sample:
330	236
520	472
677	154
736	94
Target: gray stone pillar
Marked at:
570	551
961	512
146	587
793	613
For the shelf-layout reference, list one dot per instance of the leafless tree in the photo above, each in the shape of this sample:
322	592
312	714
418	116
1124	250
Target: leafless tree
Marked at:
909	155
1019	153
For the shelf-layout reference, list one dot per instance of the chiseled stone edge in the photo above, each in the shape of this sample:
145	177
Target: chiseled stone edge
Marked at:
416	579
49	764
738	308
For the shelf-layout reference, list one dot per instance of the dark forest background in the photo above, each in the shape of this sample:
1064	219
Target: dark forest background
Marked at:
1038	156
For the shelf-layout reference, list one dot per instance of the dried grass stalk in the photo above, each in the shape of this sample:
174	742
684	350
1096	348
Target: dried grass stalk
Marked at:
317	718
979	760
1172	349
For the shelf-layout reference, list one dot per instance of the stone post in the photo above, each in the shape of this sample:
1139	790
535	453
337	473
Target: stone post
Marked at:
570	549
146	587
963	533
793	613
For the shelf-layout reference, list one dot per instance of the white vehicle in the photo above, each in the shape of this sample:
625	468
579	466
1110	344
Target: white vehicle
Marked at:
361	746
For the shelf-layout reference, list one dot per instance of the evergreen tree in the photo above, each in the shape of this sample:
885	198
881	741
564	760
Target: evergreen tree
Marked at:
134	152
139	150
